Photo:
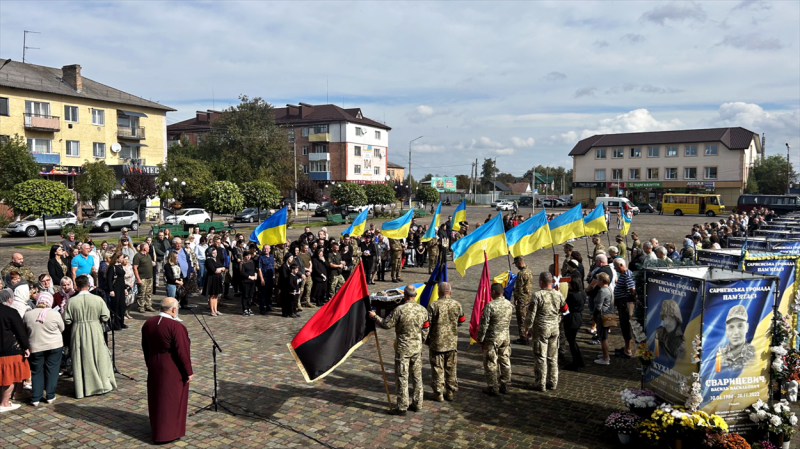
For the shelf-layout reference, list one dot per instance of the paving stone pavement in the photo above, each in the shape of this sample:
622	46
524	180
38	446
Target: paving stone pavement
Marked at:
260	382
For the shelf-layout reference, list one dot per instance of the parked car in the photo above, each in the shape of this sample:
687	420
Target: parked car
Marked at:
505	205
189	216
104	221
646	207
32	224
359	208
496	202
287	202
302	205
327	208
553	202
526	201
251	214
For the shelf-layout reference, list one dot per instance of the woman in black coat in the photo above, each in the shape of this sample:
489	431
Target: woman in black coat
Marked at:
213	286
368	257
319	274
284	283
576	299
56	264
115	277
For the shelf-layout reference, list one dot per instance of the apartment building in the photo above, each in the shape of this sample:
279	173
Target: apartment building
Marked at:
396	171
645	165
68	120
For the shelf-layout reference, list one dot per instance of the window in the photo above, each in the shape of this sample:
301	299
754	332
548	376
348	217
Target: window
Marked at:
672	151
690	173
73	148
129	152
691	150
199	138
99	150
711	150
378	136
671	173
319	166
652	151
600	153
291	135
616	174
652	173
305	131
39	146
599	175
636	152
3	106
377	170
357	150
619	153
360	131
305	168
71	114
634	173
320	149
37	108
711	172
4	138
98	117
305	150
320	129
357	169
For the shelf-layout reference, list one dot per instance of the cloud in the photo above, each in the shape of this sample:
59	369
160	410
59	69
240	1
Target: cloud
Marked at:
522	143
485	144
585	92
505	151
555	76
752	42
754	117
753	5
633	38
600	44
427	148
639	120
420	114
676	12
645	89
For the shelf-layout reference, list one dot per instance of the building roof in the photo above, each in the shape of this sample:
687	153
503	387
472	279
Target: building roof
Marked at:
39	78
735	138
390	164
519	187
499	186
322	113
201	122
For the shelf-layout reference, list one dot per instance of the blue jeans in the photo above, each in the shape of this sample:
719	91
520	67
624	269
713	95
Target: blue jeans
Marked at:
44	373
201	274
171	288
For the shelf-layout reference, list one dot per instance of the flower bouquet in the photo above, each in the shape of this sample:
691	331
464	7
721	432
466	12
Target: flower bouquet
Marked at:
644	354
641	402
778	419
732	441
763	445
624	423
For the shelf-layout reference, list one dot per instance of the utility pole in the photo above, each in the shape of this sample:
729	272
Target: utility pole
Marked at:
475	197
409	167
788	171
533	191
494	176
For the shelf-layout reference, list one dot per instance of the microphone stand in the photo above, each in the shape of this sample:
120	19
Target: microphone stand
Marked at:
114	347
215	403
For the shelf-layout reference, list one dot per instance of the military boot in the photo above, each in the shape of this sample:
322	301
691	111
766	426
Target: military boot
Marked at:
438	397
449	395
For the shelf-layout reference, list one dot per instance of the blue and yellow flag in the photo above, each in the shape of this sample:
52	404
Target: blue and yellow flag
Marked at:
566	226
491	238
626	225
359	224
459	215
431	232
529	236
398	228
431	291
595	222
507	279
271	231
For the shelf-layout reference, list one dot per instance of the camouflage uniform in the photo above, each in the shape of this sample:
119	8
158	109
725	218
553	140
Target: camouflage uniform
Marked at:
355	250
445	317
738	360
636	244
25	273
623	250
433	253
523	287
543	320
411	322
278	253
335	277
493	333
397	255
596	251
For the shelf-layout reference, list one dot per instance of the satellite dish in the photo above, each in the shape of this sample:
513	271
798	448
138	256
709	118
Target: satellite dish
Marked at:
116	147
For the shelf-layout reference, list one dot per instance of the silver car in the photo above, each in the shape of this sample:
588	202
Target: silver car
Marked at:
32	224
113	219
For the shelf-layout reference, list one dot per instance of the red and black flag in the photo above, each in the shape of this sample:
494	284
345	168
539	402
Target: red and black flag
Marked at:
335	330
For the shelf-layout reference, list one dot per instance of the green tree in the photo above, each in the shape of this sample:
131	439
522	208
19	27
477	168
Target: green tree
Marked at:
349	194
771	175
41	197
140	186
17	165
223	197
379	194
411	183
193	172
260	194
95	183
308	191
401	191
752	184
462	182
506	178
427	194
488	170
427	177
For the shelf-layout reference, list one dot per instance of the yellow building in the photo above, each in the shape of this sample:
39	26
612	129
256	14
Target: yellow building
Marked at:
69	120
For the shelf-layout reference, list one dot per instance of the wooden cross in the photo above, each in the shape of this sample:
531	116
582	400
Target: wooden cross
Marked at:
565	279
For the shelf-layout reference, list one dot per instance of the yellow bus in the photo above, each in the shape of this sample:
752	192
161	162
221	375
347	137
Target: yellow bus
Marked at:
690	203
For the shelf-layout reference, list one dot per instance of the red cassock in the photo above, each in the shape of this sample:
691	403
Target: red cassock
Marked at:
165	343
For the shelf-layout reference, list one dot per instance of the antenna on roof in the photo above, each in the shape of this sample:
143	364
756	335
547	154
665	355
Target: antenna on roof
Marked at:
326	89
24	43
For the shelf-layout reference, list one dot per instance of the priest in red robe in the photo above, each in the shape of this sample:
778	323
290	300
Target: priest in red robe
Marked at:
165	343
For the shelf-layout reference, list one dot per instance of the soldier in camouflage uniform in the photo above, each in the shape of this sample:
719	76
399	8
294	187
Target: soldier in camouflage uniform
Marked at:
542	326
493	334
433	253
738	353
278	252
445	316
622	249
17	264
355	249
335	266
567	256
597	248
523	288
411	322
636	242
396	246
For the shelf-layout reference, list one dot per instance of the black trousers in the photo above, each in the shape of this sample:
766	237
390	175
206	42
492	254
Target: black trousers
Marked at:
571	334
247	293
381	269
289	304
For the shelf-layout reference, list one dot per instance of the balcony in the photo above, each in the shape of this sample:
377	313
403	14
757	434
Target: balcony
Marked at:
319	137
320	175
136	133
42	122
319	156
47	158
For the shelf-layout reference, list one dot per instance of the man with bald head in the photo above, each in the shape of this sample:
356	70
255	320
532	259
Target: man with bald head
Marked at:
445	316
165	343
17	264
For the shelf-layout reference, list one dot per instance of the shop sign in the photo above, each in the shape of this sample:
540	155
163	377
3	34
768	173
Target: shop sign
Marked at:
644	185
589	185
149	169
616	185
707	185
59	170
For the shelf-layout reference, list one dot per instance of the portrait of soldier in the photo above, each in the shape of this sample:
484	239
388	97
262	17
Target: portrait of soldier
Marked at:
669	335
738	352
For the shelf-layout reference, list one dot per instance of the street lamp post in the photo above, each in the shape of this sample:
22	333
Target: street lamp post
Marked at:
788	171
494	172
409	165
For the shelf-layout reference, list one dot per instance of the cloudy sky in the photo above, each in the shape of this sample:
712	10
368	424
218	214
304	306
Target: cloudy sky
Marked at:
523	81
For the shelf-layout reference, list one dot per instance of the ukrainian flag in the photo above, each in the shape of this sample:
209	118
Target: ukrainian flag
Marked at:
359	224
398	228
529	236
459	215
431	232
491	238
566	226
626	225
271	231
431	291
595	222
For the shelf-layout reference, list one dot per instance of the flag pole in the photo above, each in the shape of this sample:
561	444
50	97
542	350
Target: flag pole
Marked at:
383	370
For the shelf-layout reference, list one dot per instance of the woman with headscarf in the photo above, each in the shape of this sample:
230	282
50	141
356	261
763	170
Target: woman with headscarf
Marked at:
60	299
288	310
45	284
56	267
130	284
115	278
22	294
45	327
14	348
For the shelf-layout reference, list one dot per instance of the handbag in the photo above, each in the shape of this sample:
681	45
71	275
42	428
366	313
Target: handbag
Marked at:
609	320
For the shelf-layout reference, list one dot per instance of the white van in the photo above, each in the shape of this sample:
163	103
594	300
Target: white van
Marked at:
612	205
